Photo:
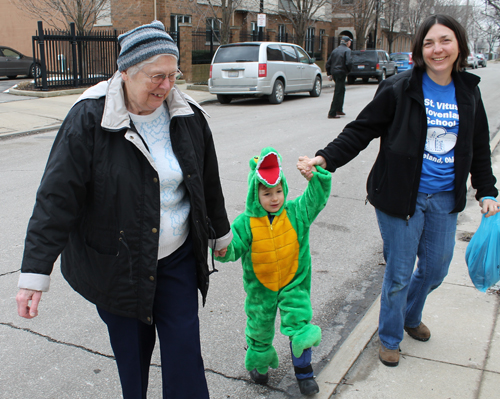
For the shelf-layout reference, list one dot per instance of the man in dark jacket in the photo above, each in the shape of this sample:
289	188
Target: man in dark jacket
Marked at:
337	67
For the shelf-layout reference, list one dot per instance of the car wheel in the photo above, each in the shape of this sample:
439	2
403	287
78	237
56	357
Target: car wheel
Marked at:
278	93
351	80
35	71
365	80
224	99
382	76
316	91
12	76
395	71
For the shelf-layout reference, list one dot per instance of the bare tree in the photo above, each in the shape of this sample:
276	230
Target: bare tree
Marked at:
417	11
83	13
392	13
222	11
362	13
496	5
302	14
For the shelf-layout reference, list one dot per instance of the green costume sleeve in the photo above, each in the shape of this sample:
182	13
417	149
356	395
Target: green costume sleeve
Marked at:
241	242
313	200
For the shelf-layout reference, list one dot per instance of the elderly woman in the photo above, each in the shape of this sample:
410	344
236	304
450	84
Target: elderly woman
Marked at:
129	198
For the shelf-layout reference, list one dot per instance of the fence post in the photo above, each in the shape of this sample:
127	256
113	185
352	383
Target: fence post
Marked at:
186	50
73	53
41	44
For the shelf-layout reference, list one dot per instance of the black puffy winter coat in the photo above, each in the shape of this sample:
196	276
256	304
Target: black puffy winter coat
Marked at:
397	116
98	204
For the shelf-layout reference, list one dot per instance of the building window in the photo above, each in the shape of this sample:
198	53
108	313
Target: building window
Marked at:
175	20
282	36
104	15
321	39
213	30
287	5
310	40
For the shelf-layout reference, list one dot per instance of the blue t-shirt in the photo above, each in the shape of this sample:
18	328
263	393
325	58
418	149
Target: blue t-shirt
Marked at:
438	168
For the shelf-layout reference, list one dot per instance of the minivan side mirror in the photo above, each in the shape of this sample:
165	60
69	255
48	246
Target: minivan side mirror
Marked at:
312	60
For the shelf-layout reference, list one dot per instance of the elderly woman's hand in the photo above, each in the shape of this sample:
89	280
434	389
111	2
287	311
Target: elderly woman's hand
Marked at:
489	206
220	253
23	298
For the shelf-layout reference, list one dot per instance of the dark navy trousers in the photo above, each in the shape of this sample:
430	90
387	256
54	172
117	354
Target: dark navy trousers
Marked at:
175	319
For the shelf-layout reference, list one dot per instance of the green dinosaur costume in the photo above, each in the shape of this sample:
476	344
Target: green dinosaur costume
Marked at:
277	261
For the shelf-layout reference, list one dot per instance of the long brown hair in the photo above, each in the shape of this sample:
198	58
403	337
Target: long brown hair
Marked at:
450	23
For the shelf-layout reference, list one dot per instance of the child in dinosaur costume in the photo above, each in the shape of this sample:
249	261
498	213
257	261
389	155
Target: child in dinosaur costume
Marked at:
272	238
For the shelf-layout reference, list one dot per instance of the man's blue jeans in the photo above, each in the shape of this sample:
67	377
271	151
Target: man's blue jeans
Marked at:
429	235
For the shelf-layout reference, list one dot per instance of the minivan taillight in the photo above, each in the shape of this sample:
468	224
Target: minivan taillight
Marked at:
378	66
210	74
410	61
262	70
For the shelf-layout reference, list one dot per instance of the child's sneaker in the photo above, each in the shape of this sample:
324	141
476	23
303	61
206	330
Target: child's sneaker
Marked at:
258	378
308	386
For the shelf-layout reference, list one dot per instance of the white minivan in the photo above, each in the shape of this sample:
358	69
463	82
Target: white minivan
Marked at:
270	69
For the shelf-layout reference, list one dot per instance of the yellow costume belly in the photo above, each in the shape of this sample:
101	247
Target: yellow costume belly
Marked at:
275	251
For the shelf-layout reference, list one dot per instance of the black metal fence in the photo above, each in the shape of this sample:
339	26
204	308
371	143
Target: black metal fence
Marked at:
205	43
68	58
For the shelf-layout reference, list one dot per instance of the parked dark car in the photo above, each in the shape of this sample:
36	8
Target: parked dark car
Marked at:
404	61
368	64
13	63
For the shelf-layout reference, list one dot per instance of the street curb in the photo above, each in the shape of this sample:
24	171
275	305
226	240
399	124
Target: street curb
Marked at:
45	94
334	372
336	369
29	132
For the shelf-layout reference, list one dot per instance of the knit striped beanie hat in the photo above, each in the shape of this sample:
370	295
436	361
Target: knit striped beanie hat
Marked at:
144	42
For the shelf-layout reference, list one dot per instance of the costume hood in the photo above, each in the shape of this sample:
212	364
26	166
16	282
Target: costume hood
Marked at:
264	169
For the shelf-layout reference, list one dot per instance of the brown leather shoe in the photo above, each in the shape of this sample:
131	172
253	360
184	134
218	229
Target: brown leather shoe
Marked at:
333	117
340	113
420	333
389	357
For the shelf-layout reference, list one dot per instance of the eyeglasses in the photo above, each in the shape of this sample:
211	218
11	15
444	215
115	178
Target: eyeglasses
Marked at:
157	79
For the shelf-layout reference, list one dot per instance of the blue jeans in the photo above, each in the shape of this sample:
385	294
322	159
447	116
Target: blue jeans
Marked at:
429	235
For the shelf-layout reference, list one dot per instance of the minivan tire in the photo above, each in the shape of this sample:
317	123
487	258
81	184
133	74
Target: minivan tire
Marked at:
316	91
382	76
351	80
224	99
278	94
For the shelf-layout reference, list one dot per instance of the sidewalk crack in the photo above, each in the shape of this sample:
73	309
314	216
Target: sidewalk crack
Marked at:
12	272
248	381
50	339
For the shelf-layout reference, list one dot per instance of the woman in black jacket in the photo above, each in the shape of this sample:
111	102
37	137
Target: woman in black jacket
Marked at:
131	198
433	132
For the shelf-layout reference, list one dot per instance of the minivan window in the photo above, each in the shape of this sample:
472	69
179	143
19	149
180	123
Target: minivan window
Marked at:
303	57
362	56
289	52
381	57
274	53
246	53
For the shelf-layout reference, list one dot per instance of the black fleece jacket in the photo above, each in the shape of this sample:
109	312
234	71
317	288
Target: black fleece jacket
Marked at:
397	116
